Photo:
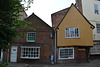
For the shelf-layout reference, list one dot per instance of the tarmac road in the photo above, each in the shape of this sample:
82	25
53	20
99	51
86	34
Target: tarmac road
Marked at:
92	63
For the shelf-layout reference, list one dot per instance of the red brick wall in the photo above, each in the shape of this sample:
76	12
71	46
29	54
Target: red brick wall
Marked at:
79	56
5	56
57	17
43	32
79	5
45	52
23	15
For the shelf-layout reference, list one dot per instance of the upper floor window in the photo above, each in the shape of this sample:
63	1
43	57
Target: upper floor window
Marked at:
96	10
72	33
31	37
66	53
98	28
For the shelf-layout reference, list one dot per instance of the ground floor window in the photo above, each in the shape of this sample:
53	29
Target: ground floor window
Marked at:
30	52
66	53
95	49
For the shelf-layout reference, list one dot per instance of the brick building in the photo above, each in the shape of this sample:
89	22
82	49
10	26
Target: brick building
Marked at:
36	46
71	43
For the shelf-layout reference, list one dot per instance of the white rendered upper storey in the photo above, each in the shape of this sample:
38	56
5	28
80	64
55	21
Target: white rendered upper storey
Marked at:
91	9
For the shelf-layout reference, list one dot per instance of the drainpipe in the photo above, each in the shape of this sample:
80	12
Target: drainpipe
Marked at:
55	46
8	53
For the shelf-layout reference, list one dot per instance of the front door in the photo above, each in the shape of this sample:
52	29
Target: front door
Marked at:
13	57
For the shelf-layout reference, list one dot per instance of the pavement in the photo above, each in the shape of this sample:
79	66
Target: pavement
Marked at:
92	63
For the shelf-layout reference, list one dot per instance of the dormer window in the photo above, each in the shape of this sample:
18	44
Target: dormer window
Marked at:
72	32
31	37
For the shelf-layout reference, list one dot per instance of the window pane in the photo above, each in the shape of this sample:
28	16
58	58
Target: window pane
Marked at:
30	52
31	36
96	10
72	32
98	28
95	6
66	53
67	32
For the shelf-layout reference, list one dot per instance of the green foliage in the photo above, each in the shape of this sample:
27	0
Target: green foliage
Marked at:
9	20
4	64
27	3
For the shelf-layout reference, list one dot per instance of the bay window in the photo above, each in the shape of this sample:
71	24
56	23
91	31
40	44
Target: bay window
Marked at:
28	52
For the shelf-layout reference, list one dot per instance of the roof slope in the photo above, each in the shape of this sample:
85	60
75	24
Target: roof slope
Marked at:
58	17
37	22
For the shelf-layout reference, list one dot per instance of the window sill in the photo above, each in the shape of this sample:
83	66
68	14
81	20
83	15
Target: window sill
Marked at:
65	58
72	37
29	58
30	41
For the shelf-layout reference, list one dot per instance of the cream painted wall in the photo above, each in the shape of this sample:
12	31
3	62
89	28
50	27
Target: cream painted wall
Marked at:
88	12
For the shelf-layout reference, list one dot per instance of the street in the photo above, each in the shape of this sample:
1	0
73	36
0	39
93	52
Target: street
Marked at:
92	63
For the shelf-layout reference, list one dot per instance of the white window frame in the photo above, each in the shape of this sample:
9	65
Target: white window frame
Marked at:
96	28
96	9
30	57
27	37
95	49
74	33
66	48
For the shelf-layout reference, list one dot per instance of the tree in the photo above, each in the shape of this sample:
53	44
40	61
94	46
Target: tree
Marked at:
9	20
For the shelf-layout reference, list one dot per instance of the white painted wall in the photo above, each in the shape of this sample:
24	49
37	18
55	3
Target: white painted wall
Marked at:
88	12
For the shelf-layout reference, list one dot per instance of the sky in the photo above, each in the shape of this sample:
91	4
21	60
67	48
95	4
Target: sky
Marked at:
44	8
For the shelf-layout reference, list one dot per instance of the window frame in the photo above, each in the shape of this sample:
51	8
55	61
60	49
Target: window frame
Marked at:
72	37
98	0
30	57
96	28
96	9
66	58
27	37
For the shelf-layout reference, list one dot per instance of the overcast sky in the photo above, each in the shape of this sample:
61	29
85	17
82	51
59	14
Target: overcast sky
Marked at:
44	8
